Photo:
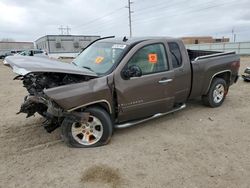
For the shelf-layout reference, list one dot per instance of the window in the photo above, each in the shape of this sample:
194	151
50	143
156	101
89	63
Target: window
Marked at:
76	44
58	45
175	54
150	59
100	57
38	52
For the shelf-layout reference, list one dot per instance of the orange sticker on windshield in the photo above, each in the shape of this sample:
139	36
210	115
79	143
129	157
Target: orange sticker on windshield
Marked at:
99	59
152	58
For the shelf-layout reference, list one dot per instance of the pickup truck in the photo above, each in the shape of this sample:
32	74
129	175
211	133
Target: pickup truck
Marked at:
120	82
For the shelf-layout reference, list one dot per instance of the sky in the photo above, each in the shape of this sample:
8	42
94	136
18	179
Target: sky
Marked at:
27	20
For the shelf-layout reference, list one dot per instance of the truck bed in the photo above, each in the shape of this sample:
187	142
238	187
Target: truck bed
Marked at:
193	54
206	64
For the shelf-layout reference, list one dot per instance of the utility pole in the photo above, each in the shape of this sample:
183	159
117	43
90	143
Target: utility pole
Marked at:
129	17
233	35
68	29
61	29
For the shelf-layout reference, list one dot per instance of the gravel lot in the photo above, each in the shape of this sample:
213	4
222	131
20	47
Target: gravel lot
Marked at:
196	147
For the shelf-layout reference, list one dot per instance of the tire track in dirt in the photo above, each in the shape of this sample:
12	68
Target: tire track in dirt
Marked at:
25	138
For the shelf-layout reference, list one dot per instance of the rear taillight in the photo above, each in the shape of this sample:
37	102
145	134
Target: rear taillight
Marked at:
236	65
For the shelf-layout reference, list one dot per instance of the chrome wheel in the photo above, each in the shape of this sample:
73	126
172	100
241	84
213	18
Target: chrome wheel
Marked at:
218	93
87	133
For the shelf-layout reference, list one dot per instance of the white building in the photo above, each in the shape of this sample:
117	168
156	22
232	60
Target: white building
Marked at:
63	45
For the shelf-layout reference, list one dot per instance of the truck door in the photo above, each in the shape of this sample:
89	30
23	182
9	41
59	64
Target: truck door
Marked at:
150	93
182	70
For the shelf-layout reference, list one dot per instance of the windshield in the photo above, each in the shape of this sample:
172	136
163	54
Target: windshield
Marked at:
100	57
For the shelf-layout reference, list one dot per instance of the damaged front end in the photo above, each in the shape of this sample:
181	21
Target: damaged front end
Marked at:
37	101
49	110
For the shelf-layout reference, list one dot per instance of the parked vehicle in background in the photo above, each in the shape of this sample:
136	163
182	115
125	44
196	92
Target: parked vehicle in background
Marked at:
117	83
37	53
246	76
5	54
9	53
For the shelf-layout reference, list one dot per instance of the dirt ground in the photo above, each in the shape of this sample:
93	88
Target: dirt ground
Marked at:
195	147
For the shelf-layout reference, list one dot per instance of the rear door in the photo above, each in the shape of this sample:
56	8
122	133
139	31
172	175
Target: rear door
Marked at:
151	93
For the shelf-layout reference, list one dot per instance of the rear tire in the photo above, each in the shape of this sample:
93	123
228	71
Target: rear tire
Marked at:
97	131
216	94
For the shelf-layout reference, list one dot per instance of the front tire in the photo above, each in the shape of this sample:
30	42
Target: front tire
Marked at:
216	94
97	131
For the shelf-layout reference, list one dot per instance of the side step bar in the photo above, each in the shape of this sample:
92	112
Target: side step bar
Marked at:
132	123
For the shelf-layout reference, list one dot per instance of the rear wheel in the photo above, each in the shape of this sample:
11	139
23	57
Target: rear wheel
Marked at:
96	131
216	94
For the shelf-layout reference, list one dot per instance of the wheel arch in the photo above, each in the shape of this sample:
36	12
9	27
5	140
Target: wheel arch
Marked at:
104	104
226	75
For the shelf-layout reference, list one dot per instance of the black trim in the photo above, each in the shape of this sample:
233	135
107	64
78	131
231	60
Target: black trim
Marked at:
96	41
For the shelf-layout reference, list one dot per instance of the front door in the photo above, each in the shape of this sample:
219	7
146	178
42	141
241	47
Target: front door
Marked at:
153	92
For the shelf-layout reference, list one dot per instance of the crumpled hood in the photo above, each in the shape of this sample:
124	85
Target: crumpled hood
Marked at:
23	65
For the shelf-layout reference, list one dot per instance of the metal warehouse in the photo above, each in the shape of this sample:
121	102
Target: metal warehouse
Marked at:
64	43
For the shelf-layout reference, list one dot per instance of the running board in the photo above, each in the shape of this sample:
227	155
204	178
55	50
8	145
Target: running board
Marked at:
132	123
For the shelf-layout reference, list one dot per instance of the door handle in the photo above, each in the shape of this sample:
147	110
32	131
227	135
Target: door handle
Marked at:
165	81
181	69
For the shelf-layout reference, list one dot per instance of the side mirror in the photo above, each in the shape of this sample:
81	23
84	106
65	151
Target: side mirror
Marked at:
132	71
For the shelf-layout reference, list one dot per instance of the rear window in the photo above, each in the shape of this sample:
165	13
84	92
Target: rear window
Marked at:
175	54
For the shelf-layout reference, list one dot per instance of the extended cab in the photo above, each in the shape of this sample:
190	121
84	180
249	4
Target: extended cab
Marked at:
117	83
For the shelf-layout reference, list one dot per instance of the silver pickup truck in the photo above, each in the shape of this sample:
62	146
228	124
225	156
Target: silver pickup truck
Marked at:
120	82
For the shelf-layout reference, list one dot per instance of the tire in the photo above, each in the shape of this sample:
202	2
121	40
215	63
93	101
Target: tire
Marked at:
82	135
216	94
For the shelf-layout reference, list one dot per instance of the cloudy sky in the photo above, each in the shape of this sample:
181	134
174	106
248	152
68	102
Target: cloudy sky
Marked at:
27	20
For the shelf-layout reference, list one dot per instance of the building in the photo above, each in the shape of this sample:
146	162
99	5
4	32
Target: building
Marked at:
64	43
8	46
203	39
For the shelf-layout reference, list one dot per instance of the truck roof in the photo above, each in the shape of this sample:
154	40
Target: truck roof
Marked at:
133	40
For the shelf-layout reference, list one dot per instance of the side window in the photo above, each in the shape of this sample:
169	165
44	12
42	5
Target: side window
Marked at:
150	59
37	52
175	54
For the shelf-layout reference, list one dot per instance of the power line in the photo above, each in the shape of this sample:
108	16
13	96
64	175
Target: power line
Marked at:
170	6
198	9
99	18
107	24
161	5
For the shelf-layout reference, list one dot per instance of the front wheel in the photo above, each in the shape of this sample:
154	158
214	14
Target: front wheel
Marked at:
216	94
96	131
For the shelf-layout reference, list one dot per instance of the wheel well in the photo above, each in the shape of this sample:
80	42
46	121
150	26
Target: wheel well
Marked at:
225	76
102	105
